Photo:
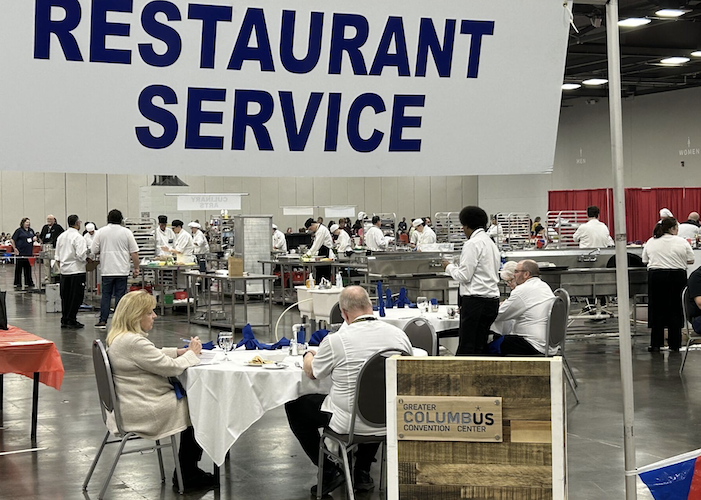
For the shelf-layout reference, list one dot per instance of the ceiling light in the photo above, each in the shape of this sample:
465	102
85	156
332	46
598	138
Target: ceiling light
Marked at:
633	22
670	12
675	60
696	53
570	86
595	81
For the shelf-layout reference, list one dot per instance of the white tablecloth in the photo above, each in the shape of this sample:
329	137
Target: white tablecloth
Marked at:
227	398
440	320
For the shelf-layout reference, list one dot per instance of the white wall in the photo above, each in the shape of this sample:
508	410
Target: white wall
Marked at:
91	196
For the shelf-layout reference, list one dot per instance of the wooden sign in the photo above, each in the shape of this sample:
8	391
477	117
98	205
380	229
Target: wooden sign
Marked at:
447	418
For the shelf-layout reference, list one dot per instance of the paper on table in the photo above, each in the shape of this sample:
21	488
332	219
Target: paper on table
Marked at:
207	357
31	342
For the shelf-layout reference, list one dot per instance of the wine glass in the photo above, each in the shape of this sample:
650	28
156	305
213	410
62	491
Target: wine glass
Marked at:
422	304
225	340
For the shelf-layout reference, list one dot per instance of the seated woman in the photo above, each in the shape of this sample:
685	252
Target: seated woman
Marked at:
148	401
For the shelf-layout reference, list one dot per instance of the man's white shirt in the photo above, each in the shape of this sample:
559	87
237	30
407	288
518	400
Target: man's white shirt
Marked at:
114	244
322	237
375	239
164	239
71	252
593	234
199	240
478	270
279	241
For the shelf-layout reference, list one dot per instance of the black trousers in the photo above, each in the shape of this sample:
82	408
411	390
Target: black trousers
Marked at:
22	265
476	317
306	418
189	453
72	293
516	345
323	271
665	306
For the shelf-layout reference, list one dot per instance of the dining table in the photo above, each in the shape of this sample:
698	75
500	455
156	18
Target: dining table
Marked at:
446	326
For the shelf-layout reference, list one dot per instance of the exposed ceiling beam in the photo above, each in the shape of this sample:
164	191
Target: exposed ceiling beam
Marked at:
626	51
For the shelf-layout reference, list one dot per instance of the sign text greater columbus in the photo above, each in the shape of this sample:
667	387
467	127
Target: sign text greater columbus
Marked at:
449	418
285	87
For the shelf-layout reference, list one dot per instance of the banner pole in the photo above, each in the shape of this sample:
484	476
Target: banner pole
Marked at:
619	210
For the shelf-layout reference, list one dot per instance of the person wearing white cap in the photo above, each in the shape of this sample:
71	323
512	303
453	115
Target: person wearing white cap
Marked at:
164	235
89	235
279	241
593	233
665	213
343	241
426	236
199	239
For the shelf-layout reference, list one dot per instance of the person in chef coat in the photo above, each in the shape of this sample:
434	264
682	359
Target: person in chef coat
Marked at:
182	247
343	241
165	237
426	235
496	232
593	233
199	240
322	246
374	237
279	241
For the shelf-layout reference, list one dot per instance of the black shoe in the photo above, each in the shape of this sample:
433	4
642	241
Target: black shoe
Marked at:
199	481
653	349
362	481
65	325
674	349
331	480
75	325
102	325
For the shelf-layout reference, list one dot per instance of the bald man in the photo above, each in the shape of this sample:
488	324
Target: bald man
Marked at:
690	229
50	232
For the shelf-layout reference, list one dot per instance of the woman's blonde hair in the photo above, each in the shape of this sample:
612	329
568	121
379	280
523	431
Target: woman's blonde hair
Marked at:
130	310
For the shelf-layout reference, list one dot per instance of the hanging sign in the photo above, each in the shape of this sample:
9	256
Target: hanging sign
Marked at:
209	202
282	87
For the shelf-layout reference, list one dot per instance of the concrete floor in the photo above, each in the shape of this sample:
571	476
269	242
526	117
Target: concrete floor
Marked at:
267	462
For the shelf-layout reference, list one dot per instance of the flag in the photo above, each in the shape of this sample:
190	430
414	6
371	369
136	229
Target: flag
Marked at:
676	478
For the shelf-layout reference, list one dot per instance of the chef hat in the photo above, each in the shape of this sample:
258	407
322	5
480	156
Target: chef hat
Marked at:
334	228
194	224
89	226
665	212
417	222
274	226
361	215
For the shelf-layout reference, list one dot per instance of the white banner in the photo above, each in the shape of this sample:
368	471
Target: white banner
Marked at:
334	212
209	202
281	88
309	211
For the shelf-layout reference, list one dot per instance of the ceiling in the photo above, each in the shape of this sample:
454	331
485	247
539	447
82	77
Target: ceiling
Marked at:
642	48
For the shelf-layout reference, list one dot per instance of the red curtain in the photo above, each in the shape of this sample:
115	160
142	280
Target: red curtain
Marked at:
642	206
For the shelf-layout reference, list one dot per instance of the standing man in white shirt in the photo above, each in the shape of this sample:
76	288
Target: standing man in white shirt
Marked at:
593	233
199	239
340	357
164	235
115	245
374	237
528	307
323	243
426	235
71	255
478	275
279	241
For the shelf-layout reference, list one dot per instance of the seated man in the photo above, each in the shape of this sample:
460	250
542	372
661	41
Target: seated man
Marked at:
340	356
693	306
529	307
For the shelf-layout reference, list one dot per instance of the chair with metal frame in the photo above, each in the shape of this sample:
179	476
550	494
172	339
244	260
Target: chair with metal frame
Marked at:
110	412
335	317
423	335
369	406
556	331
691	335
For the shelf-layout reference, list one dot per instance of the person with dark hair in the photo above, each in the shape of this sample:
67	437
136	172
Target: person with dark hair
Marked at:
165	237
321	246
593	233
183	244
402	226
374	237
71	255
528	307
115	245
667	257
536	227
23	246
478	275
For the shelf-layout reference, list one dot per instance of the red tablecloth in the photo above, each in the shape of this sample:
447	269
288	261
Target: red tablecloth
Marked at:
35	354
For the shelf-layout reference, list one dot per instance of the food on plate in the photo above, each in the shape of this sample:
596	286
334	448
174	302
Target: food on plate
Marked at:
257	360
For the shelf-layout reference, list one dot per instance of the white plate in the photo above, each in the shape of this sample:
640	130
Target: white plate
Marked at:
274	366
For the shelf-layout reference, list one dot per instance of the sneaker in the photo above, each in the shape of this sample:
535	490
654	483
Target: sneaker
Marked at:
102	325
331	480
362	481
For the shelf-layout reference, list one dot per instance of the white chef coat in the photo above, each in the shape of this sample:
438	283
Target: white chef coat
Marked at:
375	239
199	240
343	242
71	252
478	271
164	239
426	237
184	245
496	232
667	252
89	238
114	244
279	241
321	237
529	307
593	234
414	236
688	231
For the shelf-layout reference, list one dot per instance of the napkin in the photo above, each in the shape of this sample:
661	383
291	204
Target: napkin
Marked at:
380	300
388	299
251	343
177	387
494	346
317	337
402	300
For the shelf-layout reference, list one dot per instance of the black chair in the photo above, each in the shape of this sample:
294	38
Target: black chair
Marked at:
369	406
556	332
691	335
335	317
422	334
111	416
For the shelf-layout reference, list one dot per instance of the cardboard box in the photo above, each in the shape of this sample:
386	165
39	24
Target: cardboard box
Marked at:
235	266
